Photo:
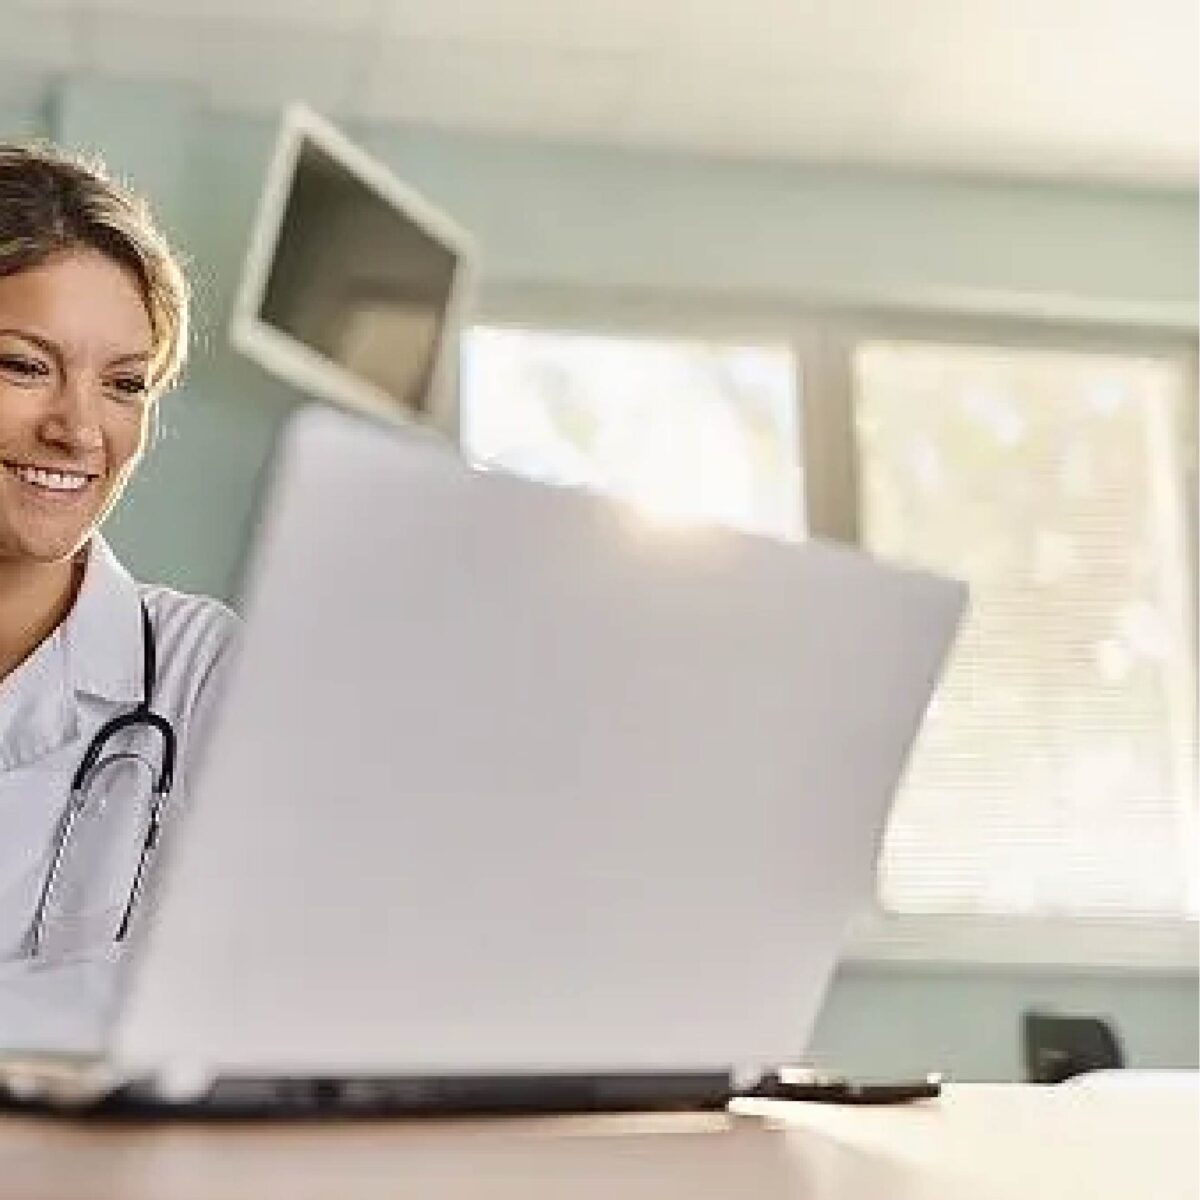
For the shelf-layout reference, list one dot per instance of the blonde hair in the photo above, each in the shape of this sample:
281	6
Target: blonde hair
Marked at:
52	203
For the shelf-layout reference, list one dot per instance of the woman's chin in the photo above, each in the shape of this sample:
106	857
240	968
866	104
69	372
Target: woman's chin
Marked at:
45	546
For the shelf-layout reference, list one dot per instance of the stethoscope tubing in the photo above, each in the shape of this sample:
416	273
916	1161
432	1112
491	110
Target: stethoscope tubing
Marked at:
143	716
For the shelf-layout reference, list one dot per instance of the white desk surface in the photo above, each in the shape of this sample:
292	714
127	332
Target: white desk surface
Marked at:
979	1142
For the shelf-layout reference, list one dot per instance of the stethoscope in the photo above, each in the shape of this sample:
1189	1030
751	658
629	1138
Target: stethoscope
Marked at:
141	715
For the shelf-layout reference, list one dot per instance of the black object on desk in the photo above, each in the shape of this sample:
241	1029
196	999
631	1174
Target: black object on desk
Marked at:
1059	1046
800	1083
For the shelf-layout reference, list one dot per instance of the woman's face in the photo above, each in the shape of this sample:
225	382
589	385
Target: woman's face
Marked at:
75	345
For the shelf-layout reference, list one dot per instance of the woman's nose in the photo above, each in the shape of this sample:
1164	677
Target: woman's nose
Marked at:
73	419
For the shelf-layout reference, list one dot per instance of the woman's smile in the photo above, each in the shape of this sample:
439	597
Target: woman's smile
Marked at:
61	481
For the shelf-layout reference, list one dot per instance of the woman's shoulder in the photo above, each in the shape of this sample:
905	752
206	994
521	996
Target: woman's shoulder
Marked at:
194	641
186	623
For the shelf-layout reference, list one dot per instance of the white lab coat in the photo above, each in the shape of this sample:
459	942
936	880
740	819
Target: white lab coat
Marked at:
88	671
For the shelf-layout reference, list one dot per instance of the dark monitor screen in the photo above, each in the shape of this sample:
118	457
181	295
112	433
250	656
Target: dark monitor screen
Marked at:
353	280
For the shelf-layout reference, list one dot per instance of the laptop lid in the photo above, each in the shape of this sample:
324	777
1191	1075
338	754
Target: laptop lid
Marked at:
508	780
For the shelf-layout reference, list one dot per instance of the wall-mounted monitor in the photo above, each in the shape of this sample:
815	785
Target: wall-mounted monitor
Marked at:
354	285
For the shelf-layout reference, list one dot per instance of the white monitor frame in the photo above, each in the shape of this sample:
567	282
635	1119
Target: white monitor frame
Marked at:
304	367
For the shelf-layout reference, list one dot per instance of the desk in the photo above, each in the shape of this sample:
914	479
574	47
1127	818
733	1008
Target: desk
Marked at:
979	1142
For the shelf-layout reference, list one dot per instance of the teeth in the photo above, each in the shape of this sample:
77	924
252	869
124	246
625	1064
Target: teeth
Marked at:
56	481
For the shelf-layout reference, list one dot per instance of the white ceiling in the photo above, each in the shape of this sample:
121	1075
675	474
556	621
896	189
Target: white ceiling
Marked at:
1082	89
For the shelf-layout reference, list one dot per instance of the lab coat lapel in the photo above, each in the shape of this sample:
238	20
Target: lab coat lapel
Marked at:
97	651
103	631
38	713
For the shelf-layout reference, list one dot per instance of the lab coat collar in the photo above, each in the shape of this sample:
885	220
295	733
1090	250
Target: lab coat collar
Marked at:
102	634
96	650
38	713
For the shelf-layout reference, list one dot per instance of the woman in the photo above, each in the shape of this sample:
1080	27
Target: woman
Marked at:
93	329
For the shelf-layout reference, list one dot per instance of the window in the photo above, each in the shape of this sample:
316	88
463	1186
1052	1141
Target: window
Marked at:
1056	773
684	429
1052	792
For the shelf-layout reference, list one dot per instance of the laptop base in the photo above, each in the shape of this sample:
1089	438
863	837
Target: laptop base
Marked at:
322	1098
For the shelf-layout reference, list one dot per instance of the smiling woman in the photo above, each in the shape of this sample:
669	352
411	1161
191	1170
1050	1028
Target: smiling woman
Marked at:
75	341
105	683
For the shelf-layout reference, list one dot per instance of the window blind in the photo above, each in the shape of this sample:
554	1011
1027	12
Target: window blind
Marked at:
1056	772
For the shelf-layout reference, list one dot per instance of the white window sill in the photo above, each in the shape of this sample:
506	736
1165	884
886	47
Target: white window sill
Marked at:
1166	946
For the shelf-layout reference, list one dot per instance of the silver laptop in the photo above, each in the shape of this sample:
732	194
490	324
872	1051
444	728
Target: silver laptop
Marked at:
511	787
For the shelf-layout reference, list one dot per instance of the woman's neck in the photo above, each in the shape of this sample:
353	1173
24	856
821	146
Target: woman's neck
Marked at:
34	600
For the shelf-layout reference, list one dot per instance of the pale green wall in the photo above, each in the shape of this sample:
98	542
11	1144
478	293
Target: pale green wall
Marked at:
907	1020
619	220
607	223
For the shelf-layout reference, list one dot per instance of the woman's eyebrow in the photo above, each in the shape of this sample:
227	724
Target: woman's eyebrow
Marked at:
51	348
34	339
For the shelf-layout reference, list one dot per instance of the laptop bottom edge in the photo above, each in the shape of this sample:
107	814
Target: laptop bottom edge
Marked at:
326	1097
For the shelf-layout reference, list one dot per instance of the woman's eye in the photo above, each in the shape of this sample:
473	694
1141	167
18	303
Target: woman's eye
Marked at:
19	364
132	386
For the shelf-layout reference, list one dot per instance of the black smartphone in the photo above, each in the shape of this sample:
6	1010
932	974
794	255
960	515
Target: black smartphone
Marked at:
801	1083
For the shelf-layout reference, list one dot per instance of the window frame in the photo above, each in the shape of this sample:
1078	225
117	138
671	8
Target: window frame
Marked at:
822	340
